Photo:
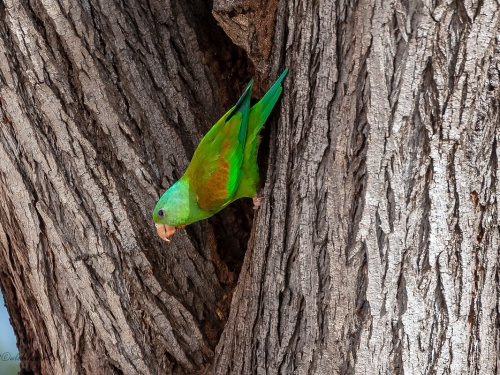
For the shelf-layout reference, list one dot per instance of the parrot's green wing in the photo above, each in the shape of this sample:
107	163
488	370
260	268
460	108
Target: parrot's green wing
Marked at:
215	170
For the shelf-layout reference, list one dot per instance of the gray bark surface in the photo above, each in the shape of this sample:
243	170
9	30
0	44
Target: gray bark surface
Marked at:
376	251
103	103
375	248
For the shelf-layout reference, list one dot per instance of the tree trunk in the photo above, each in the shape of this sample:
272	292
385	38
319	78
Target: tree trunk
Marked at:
375	249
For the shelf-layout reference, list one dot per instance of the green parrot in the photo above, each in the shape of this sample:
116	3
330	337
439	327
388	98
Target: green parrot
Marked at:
224	166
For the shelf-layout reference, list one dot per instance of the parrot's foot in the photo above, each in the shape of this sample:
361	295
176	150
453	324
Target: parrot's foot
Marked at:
256	202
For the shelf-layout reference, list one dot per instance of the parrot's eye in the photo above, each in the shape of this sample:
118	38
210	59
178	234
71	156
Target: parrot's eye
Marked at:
161	213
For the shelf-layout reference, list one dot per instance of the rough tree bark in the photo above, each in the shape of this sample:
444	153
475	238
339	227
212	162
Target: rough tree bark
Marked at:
375	249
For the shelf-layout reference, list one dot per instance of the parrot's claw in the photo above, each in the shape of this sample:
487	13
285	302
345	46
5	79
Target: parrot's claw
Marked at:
256	202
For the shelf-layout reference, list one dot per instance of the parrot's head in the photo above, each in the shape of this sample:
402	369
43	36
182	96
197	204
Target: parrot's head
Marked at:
172	210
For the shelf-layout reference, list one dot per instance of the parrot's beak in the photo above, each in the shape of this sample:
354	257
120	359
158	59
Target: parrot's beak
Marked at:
165	231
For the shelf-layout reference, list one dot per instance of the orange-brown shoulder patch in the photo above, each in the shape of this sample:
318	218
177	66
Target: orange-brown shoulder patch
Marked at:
213	193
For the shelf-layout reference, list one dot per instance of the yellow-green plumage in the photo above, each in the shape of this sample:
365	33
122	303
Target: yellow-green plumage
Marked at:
224	166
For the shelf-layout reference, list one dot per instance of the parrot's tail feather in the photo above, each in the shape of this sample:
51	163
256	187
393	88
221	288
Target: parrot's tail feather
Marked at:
258	116
260	111
241	101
